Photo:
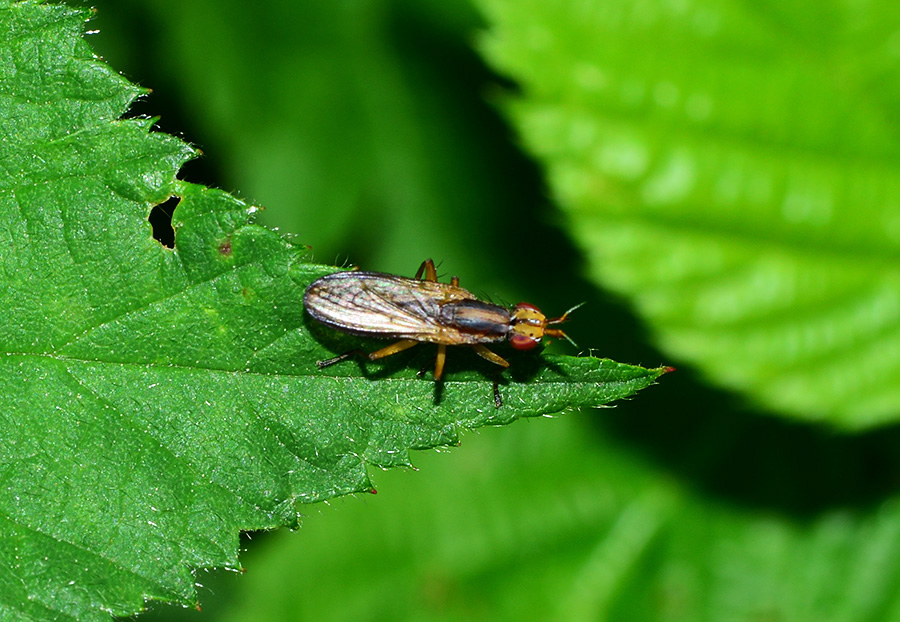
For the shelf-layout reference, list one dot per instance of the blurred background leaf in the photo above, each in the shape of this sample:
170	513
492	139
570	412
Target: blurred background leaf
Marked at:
733	172
370	129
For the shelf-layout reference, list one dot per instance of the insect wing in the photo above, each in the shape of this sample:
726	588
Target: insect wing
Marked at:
383	305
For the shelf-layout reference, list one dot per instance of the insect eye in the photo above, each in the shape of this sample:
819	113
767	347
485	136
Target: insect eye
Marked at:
525	337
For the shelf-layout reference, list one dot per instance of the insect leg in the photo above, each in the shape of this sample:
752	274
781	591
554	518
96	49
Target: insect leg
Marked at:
428	268
483	352
341	357
439	362
394	348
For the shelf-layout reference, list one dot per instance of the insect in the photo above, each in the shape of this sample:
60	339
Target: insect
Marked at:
373	304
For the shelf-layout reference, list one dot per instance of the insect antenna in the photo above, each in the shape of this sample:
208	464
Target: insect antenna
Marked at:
558	332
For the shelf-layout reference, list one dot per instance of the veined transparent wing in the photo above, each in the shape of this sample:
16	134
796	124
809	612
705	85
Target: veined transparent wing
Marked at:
382	305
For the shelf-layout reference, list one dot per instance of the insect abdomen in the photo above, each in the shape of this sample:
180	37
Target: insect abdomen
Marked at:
478	318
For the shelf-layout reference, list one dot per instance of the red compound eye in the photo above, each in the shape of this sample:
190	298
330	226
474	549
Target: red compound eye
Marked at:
521	341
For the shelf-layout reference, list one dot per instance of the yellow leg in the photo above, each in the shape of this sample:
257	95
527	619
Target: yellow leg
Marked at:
439	362
483	352
394	348
428	268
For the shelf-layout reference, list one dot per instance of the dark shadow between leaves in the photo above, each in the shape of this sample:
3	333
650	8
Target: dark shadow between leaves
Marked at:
714	441
729	449
757	459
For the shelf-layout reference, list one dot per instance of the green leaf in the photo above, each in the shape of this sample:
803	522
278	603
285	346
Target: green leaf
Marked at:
157	401
558	520
730	169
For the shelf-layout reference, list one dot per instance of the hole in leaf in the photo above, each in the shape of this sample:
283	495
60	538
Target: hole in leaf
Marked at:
161	221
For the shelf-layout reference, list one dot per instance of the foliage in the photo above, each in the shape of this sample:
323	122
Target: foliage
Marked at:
158	401
730	170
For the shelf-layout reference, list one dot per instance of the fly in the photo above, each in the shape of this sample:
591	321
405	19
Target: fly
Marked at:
373	304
